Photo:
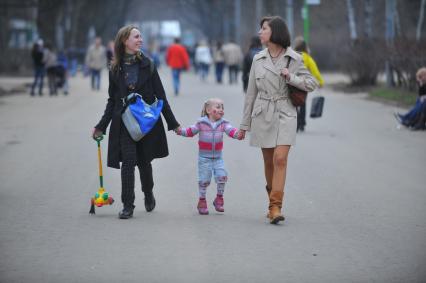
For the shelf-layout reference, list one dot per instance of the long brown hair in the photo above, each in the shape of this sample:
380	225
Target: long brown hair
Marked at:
119	47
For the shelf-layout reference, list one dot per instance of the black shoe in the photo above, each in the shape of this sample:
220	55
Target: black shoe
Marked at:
126	212
149	201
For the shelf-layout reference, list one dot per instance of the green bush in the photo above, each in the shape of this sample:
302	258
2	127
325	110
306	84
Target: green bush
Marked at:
394	94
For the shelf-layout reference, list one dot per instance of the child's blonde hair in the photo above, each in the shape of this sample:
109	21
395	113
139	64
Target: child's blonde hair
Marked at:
209	102
421	75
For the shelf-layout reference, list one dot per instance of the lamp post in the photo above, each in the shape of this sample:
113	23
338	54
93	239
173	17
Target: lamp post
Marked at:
305	17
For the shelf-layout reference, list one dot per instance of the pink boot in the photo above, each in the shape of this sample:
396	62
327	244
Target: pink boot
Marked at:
218	203
202	206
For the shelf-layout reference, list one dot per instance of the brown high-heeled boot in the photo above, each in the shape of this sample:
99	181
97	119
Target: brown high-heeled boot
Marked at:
275	204
268	191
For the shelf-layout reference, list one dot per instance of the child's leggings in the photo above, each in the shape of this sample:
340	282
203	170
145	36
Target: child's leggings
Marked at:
207	167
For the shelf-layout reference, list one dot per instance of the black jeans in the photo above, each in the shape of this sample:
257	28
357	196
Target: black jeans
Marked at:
219	66
96	79
233	74
129	153
301	117
38	79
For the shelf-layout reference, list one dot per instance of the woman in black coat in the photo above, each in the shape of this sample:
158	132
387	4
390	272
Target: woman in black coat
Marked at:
131	72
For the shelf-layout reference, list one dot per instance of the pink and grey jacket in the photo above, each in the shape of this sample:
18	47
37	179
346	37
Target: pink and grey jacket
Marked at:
210	141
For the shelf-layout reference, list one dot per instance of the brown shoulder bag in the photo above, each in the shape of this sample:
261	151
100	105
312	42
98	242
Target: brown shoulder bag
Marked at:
297	96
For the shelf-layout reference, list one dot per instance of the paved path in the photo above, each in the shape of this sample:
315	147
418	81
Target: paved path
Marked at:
355	199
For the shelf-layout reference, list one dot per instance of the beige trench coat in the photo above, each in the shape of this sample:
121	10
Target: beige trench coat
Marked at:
268	113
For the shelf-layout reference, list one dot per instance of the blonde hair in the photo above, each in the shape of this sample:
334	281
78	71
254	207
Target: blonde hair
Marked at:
209	102
119	47
421	75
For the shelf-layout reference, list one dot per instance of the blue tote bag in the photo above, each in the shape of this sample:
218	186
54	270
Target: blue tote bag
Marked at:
140	117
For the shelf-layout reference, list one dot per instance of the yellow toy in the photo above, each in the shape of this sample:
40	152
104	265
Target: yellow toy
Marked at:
101	198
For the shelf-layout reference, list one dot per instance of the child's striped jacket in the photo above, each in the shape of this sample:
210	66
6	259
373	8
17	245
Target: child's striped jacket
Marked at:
210	141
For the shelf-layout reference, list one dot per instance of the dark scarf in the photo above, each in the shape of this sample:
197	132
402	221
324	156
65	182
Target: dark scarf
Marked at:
129	59
131	69
422	90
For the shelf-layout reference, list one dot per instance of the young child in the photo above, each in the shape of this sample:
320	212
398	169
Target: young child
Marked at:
211	127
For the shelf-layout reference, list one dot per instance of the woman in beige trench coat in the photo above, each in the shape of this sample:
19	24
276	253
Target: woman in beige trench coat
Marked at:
268	113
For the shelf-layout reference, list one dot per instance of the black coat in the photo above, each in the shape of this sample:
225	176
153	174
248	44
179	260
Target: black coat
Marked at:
154	144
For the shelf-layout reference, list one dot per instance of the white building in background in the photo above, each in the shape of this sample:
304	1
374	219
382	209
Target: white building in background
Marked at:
23	34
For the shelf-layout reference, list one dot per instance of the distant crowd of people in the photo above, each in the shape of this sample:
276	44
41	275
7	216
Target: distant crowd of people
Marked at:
202	57
58	66
51	63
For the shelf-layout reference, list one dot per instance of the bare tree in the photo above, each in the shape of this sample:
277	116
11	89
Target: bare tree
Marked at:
351	19
75	13
420	21
368	16
259	12
198	14
390	35
48	13
398	30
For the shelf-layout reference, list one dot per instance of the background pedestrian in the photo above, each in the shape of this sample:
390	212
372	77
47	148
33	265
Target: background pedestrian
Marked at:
96	60
254	48
51	61
37	54
177	58
203	58
219	61
301	46
412	117
233	59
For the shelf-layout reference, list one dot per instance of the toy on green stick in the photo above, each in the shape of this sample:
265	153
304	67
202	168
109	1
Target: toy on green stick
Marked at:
101	197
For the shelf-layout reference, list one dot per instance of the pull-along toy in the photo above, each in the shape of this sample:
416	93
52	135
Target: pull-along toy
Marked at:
101	197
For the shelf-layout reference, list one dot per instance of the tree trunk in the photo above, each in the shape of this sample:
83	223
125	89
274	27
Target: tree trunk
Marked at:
390	34
420	21
351	19
237	21
48	11
368	16
398	31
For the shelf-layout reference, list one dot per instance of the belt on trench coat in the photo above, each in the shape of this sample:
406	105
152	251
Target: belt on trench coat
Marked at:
272	101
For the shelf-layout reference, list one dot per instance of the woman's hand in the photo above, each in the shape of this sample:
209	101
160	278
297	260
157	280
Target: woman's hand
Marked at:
96	133
177	130
241	134
285	74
